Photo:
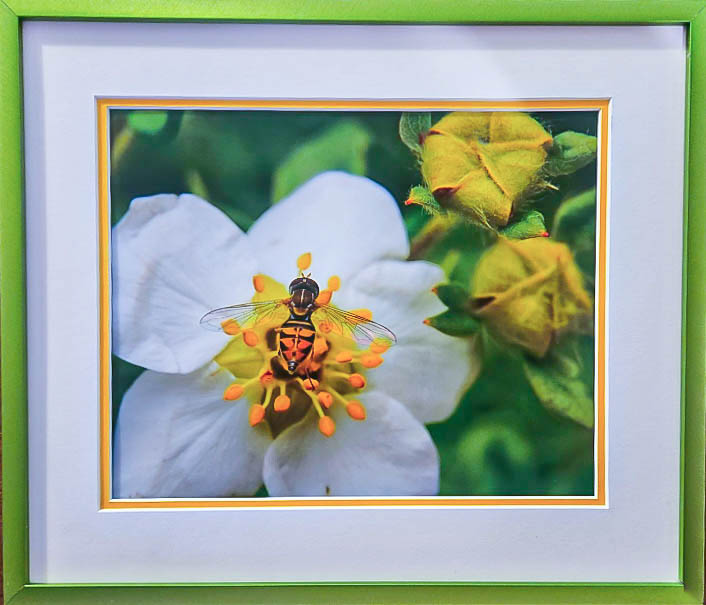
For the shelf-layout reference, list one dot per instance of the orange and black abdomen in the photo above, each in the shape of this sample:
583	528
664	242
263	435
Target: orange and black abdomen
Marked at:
296	339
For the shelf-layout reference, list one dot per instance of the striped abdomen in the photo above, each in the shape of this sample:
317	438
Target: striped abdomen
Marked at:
296	339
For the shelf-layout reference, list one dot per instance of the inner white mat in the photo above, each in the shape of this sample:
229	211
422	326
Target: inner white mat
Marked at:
642	71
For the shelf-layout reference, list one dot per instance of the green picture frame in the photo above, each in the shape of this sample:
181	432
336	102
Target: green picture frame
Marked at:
13	354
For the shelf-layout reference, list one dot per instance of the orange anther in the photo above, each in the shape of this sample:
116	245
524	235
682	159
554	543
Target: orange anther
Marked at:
304	261
371	360
257	413
325	399
324	297
427	322
334	283
282	403
311	384
250	338
357	381
230	327
267	378
366	314
233	392
355	410
325	327
344	357
379	345
320	347
327	426
258	282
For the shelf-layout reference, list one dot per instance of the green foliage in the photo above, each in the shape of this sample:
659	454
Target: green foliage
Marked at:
454	323
556	379
340	147
147	121
530	225
413	128
575	224
571	151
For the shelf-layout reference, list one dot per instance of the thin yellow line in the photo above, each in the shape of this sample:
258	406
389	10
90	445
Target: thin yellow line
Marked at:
103	106
546	104
104	297
601	332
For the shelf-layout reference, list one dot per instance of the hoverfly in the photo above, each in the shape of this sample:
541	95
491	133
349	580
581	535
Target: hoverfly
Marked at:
295	337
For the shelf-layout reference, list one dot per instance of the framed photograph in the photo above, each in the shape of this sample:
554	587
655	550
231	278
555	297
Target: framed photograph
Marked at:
351	304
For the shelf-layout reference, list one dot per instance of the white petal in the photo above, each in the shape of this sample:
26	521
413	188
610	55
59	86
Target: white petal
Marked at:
174	259
177	438
345	221
388	454
426	370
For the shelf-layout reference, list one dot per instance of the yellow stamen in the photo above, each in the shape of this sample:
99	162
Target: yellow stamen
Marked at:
257	413
282	403
379	345
250	338
327	426
366	314
325	399
230	327
304	261
233	392
357	381
324	297
344	357
371	360
258	282
334	283
268	397
355	410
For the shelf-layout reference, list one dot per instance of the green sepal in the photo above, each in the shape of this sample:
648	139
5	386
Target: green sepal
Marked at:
454	323
421	196
570	152
413	129
453	295
530	225
343	146
556	380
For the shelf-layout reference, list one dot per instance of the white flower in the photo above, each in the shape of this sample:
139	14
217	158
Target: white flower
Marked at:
193	424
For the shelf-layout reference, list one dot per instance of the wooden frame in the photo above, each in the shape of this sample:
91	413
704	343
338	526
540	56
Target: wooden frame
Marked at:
12	286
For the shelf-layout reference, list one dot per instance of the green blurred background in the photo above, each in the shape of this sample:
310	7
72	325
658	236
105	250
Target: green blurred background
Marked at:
500	440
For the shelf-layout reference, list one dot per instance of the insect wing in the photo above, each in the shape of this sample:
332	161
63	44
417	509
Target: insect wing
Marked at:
242	315
364	331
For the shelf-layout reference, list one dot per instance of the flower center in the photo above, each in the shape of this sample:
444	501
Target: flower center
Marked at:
331	373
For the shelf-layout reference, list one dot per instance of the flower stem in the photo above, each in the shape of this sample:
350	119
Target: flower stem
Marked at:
431	233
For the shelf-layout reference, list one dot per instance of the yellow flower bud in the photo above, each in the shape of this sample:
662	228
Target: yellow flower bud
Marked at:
526	291
480	164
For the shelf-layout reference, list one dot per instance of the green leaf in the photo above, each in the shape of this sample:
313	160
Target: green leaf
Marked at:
454	323
421	196
413	128
453	295
343	146
556	380
148	122
575	224
574	214
530	225
570	152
